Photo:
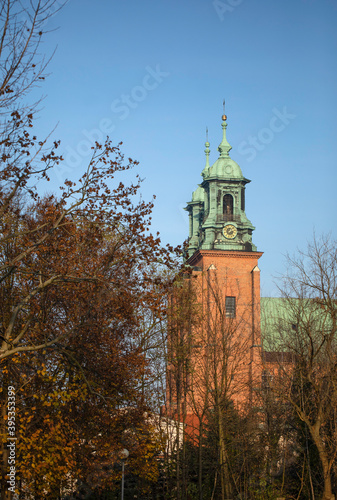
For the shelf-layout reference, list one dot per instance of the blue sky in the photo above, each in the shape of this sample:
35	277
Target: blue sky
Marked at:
153	74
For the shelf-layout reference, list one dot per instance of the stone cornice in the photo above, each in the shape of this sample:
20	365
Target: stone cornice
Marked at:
238	254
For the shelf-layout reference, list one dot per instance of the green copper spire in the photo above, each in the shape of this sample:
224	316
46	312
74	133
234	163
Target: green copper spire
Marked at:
205	172
224	147
217	212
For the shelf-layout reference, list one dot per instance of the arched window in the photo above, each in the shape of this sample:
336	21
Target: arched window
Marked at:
228	207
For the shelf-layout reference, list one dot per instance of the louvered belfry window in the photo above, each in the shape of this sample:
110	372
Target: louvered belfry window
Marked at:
230	307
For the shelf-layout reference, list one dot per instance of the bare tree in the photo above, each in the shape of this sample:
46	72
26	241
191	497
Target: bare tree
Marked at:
25	159
305	357
182	317
23	25
220	375
209	376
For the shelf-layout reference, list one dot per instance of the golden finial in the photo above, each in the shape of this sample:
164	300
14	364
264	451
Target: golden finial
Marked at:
224	117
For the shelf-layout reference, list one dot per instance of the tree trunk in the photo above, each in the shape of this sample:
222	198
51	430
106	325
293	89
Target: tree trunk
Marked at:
178	445
200	460
224	473
326	463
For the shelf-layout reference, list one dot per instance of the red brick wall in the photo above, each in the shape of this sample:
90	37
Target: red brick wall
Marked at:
233	274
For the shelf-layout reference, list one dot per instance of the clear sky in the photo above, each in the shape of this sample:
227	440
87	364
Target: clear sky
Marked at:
153	74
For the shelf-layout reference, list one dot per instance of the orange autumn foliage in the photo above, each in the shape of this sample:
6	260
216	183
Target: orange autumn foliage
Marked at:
77	273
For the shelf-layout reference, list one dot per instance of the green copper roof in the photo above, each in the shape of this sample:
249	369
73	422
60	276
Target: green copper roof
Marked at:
226	168
273	312
198	194
290	323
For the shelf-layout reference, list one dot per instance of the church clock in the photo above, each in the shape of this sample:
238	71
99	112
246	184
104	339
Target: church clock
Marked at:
229	231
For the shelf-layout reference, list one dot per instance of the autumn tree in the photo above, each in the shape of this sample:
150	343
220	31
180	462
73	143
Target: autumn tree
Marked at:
182	316
78	272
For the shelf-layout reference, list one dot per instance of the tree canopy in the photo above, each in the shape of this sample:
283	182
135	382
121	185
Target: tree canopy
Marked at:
79	272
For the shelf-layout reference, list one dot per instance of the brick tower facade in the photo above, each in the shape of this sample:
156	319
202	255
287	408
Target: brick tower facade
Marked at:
223	347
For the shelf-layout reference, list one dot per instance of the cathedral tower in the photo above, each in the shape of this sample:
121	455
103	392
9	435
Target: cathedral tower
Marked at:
224	262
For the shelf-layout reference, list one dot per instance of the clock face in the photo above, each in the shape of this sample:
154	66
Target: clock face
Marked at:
230	231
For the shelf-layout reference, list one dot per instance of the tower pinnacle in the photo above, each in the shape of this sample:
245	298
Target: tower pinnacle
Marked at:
224	146
204	173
